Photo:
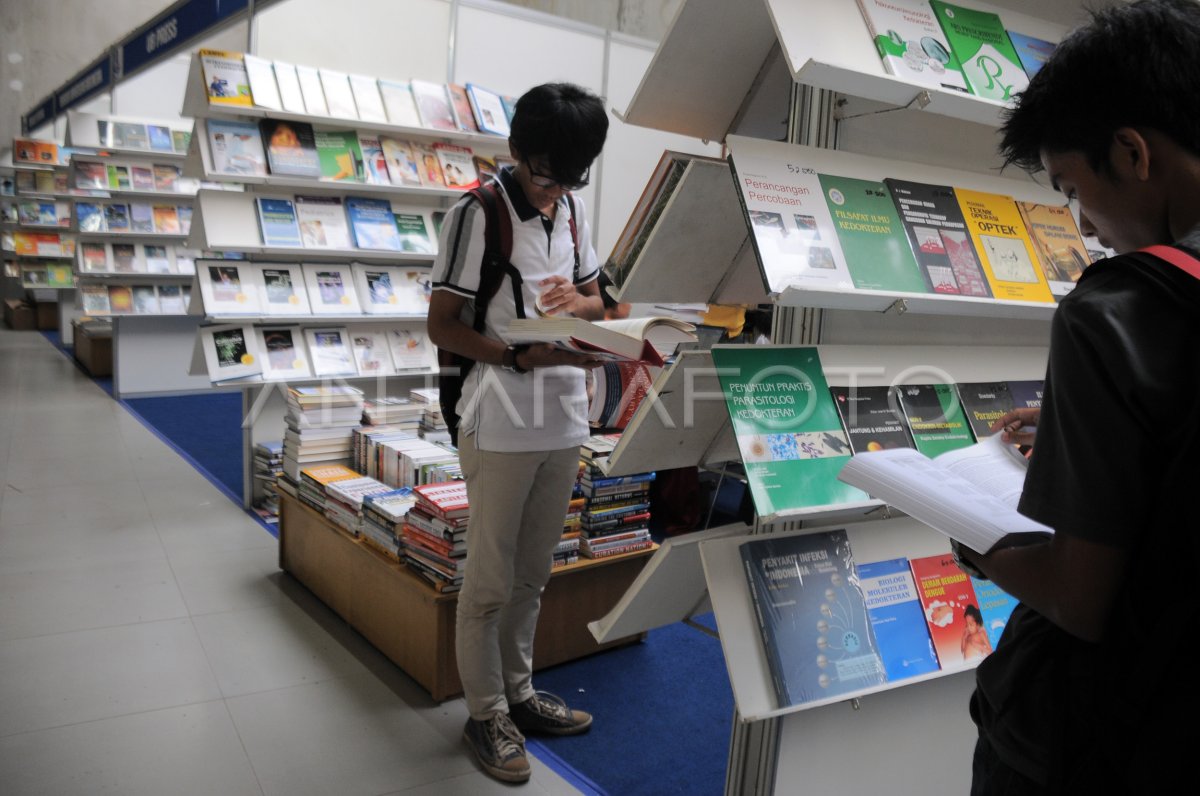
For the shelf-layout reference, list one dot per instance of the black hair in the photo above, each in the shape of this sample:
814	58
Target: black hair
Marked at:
1135	65
563	123
973	612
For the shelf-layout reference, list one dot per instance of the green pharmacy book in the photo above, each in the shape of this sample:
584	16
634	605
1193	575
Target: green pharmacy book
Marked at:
981	44
935	417
340	155
812	616
872	237
911	43
787	427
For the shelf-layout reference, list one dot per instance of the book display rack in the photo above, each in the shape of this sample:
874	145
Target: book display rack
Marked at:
729	52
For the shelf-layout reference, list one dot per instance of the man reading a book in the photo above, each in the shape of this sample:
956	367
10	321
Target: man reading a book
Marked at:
1087	685
523	413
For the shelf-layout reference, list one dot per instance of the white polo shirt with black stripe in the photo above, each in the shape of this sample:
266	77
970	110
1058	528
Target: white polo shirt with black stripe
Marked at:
545	409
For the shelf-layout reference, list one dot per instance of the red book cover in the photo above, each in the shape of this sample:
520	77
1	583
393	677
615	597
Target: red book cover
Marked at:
951	611
448	499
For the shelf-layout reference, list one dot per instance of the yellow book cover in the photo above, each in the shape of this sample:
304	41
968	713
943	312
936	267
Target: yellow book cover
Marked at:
326	474
1004	246
1056	241
225	79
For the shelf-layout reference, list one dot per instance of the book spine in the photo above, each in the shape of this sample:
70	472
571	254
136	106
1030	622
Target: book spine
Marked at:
620	550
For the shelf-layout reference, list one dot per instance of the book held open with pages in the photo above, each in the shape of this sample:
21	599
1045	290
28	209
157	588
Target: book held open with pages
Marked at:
632	339
969	494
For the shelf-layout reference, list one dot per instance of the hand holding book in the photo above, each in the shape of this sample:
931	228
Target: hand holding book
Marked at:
1018	426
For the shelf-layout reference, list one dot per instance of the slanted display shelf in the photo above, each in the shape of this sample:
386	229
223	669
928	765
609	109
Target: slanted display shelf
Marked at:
83	167
129	137
723	265
721	47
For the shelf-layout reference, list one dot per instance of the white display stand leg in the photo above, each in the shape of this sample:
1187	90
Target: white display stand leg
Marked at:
67	312
151	355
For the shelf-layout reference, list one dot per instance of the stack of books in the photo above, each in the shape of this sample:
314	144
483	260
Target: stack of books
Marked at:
402	412
268	466
383	516
567	551
434	535
319	425
433	423
344	501
366	442
314	480
616	513
414	461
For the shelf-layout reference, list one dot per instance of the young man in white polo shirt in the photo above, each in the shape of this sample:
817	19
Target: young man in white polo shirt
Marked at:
523	414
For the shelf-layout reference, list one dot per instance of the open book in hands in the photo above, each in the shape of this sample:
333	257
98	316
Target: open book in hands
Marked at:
633	339
969	494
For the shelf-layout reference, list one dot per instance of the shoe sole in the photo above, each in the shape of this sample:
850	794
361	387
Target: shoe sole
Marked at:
575	729
501	774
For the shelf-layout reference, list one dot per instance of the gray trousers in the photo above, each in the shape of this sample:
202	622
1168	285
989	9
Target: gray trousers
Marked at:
518	506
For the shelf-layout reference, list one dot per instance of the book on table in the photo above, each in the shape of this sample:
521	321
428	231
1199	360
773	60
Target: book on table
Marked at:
631	339
969	494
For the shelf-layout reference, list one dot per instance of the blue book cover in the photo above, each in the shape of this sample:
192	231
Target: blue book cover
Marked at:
996	605
1033	52
812	616
897	619
372	223
277	218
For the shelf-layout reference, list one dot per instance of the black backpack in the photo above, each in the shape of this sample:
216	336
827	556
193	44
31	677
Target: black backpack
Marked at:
497	253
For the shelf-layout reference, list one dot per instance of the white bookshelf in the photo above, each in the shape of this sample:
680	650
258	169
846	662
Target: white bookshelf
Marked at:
83	130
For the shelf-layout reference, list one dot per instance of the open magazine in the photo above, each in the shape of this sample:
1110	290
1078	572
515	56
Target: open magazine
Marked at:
632	339
969	494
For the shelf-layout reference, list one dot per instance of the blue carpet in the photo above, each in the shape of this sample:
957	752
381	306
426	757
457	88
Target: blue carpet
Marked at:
663	715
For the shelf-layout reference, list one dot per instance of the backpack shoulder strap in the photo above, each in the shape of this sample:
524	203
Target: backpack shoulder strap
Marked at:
574	235
1176	257
497	253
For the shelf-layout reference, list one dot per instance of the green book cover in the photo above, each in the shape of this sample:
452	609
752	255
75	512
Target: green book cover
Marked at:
979	41
792	442
935	417
340	156
873	239
414	237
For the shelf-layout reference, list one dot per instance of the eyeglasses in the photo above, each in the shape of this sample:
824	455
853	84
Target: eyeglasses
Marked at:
546	181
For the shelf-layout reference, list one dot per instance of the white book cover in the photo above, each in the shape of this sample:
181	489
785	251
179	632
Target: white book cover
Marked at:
263	88
331	289
415	225
458	165
793	230
282	290
310	87
323	222
911	43
338	95
227	288
230	351
488	109
367	99
158	259
411	348
377	288
284	353
185	260
372	355
433	105
375	170
401	162
399	103
290	94
412	289
145	300
235	147
330	352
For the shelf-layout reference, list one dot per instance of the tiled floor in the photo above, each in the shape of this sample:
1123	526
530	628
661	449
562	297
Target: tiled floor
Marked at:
149	643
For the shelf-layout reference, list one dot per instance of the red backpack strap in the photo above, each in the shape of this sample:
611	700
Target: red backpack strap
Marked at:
574	235
1180	259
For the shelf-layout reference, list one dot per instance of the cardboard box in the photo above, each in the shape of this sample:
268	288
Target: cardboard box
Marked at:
93	349
19	316
47	315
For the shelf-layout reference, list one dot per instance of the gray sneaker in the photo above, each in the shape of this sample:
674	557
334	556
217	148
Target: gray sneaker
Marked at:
499	747
548	714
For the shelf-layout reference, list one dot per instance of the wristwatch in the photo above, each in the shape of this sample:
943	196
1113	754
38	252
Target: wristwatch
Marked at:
509	360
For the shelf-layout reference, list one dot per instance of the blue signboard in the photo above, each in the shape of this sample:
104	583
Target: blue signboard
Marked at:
44	112
87	84
170	30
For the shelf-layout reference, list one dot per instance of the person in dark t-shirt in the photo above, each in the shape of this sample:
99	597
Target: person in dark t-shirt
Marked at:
1085	688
